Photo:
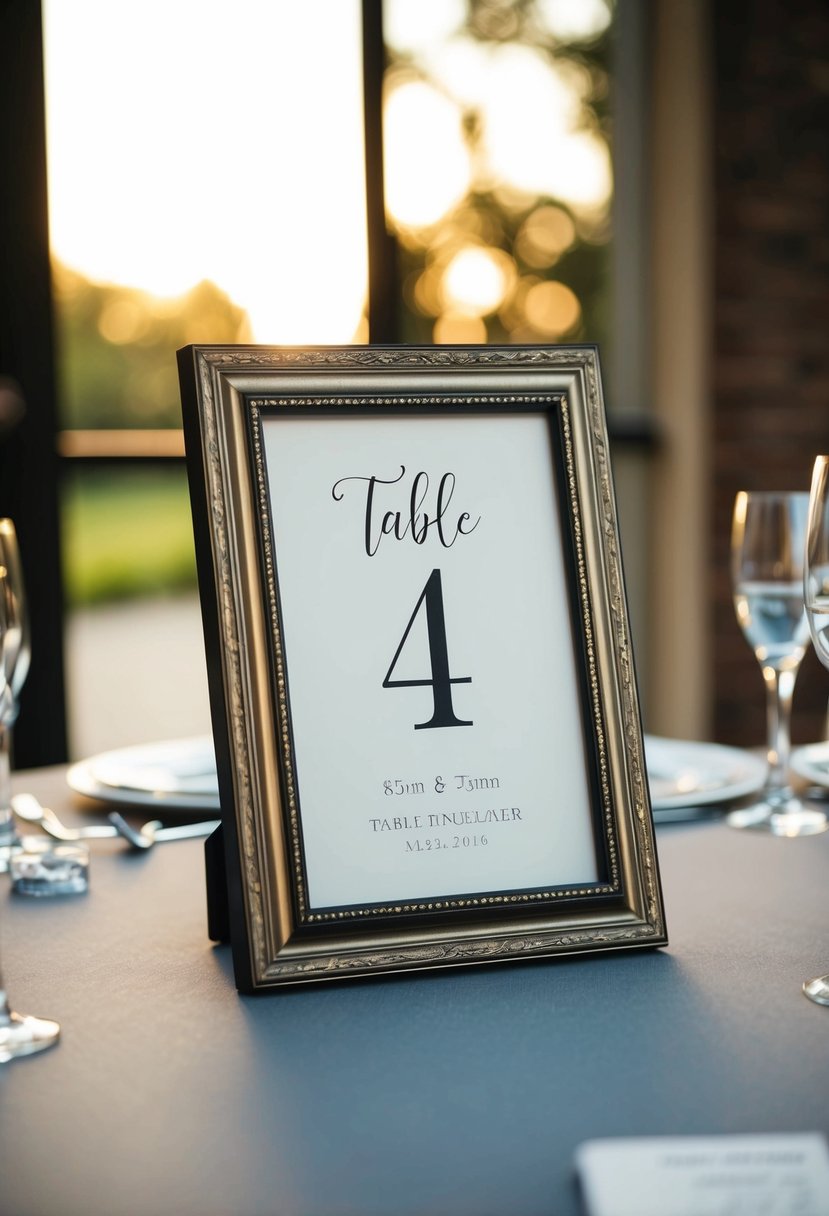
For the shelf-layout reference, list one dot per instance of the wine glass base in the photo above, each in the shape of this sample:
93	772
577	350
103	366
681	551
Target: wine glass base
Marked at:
817	990
784	817
23	1035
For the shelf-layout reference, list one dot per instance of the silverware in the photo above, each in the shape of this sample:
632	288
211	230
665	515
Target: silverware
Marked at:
28	808
154	832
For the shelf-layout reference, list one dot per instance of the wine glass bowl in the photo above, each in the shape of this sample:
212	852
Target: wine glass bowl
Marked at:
816	570
767	563
16	642
816	605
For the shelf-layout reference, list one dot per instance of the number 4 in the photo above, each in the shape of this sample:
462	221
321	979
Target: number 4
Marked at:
441	682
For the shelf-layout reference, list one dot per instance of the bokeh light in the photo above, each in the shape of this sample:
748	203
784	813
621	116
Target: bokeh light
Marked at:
533	137
427	290
575	20
544	236
531	133
414	27
475	281
552	309
427	162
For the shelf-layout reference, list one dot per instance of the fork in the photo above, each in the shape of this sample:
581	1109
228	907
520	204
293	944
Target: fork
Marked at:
154	832
28	808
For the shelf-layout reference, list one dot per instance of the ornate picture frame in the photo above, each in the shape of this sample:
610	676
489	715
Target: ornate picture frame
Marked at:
422	688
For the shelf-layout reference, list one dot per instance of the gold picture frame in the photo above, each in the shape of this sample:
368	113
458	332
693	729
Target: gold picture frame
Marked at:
422	689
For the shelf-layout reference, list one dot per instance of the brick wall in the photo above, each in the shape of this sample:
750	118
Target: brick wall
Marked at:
771	318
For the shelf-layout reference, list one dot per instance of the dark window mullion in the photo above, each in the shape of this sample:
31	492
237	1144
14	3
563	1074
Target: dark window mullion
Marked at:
28	460
383	306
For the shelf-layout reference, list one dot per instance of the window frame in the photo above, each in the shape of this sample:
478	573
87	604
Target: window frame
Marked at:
35	453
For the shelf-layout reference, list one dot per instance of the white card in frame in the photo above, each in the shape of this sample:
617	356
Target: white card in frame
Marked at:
422	687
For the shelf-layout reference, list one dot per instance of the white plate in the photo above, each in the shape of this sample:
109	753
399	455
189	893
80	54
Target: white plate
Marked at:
687	774
180	774
176	775
812	762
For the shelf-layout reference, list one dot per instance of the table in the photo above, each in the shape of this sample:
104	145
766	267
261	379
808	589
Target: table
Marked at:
455	1093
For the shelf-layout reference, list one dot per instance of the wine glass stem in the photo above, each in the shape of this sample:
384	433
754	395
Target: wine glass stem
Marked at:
779	691
8	834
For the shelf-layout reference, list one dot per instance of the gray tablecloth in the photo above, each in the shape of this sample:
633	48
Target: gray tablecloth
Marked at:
460	1094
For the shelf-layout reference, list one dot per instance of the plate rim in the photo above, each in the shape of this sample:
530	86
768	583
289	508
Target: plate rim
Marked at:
750	783
799	762
81	778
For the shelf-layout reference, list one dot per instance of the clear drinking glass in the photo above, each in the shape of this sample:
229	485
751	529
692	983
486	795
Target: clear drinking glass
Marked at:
15	652
20	1034
767	554
816	602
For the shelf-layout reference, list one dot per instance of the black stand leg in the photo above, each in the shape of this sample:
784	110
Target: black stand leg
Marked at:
218	925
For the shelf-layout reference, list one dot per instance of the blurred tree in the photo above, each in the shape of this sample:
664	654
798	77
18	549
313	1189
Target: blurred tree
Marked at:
117	345
545	269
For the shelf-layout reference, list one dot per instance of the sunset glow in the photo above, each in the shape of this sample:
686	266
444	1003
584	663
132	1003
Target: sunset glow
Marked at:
191	142
187	144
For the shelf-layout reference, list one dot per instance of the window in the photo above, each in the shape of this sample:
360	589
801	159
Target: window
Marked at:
498	193
149	108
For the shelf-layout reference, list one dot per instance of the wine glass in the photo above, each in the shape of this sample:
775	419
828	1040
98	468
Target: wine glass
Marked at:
816	601
20	1034
15	652
767	549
